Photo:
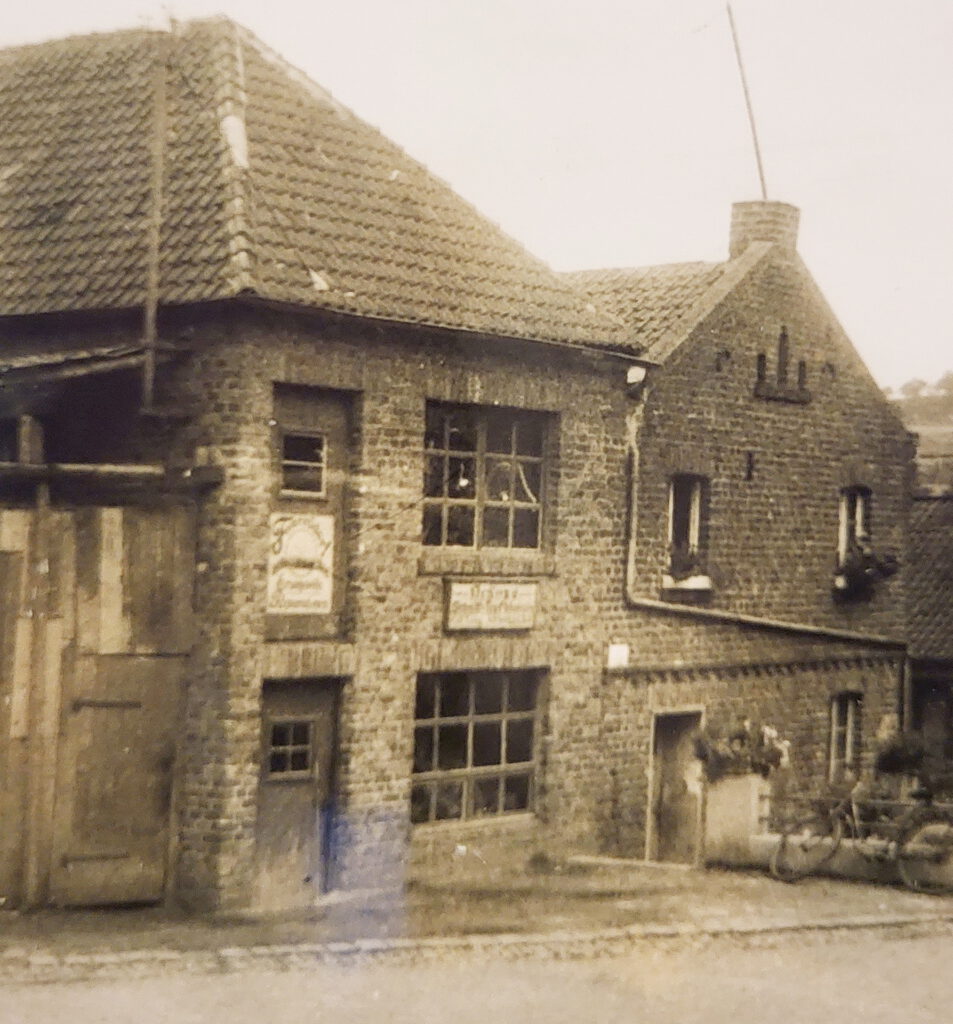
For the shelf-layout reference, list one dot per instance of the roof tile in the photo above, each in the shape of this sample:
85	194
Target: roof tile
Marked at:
929	582
323	193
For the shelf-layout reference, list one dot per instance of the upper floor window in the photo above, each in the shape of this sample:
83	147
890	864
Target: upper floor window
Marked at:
687	525
303	462
854	532
845	737
484	477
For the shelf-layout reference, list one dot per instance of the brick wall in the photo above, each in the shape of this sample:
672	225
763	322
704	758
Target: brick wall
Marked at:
776	468
593	757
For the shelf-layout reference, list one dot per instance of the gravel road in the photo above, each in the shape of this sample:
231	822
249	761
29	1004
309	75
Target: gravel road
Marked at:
871	976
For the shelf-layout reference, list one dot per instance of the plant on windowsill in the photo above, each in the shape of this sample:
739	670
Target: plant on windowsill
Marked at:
750	749
686	569
861	570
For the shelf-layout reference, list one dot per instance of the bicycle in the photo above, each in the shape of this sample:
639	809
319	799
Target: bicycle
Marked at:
919	840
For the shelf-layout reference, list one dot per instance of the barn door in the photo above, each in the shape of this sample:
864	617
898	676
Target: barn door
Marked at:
121	693
111	830
675	828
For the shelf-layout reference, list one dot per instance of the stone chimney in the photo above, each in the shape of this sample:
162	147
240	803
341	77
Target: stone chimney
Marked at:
762	221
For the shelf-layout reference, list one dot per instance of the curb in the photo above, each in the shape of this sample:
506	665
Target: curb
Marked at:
38	968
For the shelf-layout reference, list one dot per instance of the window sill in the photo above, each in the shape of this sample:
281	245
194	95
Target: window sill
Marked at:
293	495
516	820
695	584
458	562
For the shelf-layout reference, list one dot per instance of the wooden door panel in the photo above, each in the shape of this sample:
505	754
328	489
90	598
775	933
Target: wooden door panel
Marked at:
111	835
293	805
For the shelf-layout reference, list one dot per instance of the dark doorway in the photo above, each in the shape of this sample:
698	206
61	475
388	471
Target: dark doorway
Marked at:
675	795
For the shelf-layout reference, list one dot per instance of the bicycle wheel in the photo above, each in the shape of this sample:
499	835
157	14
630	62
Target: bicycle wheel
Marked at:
925	856
806	846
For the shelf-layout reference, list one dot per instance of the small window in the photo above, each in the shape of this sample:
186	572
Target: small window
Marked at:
845	735
484	477
303	463
687	525
474	745
855	522
290	753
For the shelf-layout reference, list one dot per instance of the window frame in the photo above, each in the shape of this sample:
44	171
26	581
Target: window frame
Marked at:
855	514
846	733
691	491
270	748
523	466
467	777
285	432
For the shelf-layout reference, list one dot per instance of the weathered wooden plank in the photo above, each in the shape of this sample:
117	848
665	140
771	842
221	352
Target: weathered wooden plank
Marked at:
14	529
159	564
21	678
63	571
114	627
87	579
12	770
15	537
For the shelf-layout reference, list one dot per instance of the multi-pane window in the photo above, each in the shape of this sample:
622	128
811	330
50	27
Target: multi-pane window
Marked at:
687	527
845	734
483	477
290	752
475	739
303	462
854	533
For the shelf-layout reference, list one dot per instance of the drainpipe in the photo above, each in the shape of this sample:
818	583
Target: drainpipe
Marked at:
154	224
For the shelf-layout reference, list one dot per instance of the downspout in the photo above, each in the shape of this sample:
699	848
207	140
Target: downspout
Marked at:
154	223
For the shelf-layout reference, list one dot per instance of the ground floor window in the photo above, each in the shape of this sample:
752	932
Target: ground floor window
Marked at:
475	741
845	734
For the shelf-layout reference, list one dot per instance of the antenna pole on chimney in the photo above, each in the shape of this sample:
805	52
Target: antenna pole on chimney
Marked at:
744	86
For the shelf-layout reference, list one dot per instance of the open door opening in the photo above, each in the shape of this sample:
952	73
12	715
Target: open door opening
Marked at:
675	794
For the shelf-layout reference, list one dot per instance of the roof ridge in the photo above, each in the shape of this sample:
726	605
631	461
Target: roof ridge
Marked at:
231	100
733	272
643	268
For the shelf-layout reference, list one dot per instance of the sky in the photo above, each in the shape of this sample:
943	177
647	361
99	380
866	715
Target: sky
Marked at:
614	133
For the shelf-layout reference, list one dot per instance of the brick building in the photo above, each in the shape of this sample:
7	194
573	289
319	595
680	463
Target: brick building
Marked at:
770	483
338	532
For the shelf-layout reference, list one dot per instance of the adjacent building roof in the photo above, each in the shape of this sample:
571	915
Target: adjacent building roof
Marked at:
929	583
653	300
267	187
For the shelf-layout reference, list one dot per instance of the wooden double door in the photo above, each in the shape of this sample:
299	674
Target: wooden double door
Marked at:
96	606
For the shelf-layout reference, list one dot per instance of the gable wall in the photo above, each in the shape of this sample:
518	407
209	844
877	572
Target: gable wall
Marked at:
773	539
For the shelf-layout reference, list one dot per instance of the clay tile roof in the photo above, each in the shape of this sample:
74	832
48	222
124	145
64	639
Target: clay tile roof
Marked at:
652	300
929	583
270	187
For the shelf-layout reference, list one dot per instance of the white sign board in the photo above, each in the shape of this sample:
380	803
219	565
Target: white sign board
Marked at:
301	564
485	605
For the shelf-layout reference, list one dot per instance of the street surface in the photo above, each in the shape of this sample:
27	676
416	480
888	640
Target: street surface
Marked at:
870	977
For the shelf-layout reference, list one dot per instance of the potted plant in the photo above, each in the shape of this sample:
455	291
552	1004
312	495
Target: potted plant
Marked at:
861	569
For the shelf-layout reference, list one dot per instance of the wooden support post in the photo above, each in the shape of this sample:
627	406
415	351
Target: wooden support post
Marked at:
44	710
